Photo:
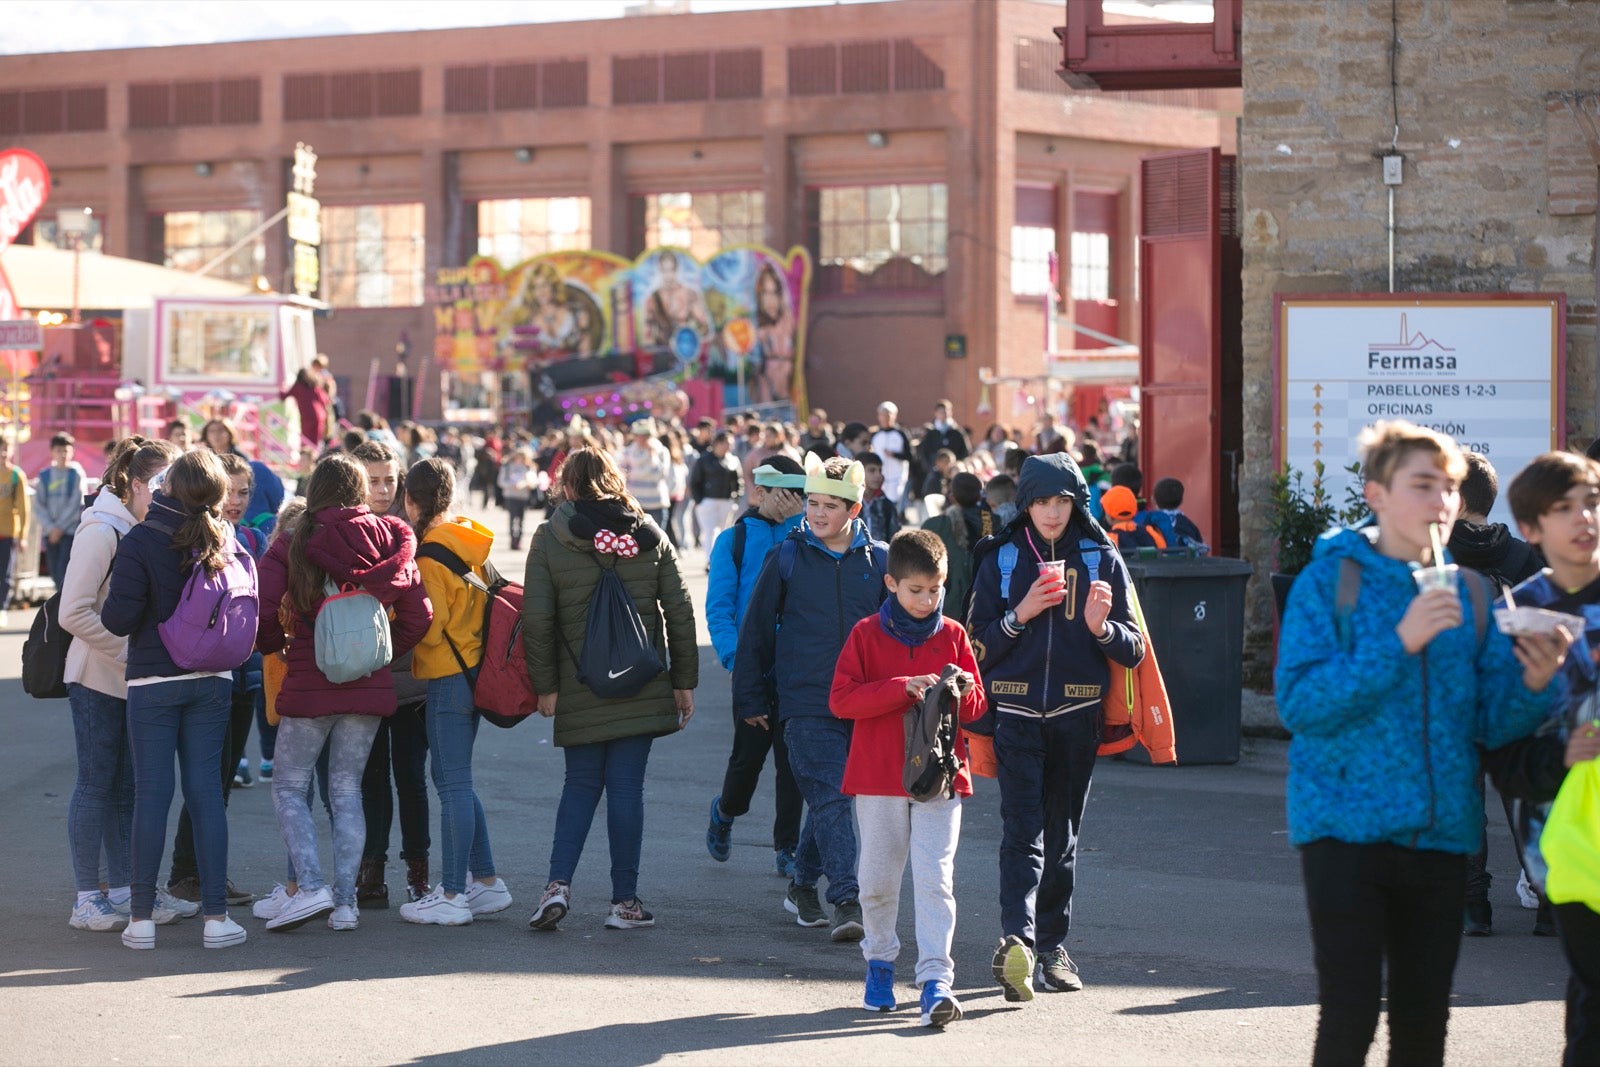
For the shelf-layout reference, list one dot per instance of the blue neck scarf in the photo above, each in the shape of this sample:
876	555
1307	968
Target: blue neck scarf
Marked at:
906	628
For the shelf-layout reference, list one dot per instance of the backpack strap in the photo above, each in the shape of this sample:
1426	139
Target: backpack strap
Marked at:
788	553
1479	595
456	565
1345	595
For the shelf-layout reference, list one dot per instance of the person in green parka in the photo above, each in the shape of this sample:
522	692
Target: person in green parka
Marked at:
606	741
964	523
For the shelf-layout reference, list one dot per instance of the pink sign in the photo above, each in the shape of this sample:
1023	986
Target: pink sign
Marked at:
24	187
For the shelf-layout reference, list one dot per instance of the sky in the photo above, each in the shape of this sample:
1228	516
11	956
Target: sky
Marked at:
75	25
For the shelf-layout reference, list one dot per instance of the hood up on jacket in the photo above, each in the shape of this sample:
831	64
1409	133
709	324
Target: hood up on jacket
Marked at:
354	545
1056	474
577	522
468	539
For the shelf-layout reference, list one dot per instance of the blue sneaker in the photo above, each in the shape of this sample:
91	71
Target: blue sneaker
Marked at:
879	995
266	770
783	863
719	833
940	1007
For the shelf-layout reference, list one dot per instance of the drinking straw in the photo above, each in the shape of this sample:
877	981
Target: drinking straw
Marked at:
1438	546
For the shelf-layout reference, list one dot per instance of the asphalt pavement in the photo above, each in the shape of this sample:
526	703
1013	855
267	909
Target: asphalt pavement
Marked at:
1189	928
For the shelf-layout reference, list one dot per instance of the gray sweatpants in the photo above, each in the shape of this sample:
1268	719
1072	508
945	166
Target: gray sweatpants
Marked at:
300	742
891	829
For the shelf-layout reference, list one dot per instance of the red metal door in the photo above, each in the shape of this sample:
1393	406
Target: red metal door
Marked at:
1189	421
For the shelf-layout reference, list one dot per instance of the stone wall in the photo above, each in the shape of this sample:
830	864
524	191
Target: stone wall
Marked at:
1499	191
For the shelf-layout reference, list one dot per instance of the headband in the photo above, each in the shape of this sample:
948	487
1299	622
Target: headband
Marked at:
848	488
773	478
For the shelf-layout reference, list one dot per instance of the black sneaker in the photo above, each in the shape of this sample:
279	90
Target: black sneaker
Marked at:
1012	967
1544	920
1478	920
1058	973
801	902
847	921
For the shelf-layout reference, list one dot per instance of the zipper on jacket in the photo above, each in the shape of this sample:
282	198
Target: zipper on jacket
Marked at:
1049	643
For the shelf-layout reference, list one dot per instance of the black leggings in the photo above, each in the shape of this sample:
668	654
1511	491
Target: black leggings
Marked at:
1372	904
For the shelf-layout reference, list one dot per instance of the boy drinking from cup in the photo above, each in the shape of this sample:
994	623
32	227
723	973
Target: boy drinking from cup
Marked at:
1388	700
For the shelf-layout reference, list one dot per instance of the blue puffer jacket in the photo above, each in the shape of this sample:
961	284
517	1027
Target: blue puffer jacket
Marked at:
1385	743
828	594
731	583
147	580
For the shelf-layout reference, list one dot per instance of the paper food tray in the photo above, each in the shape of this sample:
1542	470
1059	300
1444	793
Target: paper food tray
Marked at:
1527	620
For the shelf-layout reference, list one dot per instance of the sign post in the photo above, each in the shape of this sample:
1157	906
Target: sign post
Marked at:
305	221
1485	369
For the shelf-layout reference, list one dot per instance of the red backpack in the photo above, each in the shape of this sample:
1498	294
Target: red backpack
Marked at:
502	692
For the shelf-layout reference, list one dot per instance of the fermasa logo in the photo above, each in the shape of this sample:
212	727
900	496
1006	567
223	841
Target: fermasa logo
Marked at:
1414	352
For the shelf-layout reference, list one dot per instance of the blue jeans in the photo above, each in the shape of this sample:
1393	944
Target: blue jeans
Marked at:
8	547
463	832
101	810
1044	771
348	741
55	557
188	719
818	746
615	768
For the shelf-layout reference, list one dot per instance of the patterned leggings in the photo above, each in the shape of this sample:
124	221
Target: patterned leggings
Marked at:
300	741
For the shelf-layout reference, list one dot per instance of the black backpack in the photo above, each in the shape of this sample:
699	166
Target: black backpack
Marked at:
618	659
931	765
44	653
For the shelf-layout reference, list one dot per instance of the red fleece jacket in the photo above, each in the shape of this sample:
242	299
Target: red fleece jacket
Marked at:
374	552
869	686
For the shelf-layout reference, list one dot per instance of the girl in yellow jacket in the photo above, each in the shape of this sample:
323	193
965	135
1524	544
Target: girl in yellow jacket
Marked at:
452	646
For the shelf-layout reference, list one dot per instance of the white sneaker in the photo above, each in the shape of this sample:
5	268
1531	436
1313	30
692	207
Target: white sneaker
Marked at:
268	907
5	619
438	909
344	917
98	915
186	909
140	933
301	908
164	913
223	933
488	899
1525	894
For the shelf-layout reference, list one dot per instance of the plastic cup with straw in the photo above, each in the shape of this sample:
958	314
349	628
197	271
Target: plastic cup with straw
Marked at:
1441	575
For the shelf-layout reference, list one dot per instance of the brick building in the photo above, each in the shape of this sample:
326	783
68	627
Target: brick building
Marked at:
925	151
1499	192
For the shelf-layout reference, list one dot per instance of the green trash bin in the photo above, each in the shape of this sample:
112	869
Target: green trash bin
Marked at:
1194	608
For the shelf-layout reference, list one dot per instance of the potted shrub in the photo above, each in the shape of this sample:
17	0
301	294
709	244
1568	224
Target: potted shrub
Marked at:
1298	515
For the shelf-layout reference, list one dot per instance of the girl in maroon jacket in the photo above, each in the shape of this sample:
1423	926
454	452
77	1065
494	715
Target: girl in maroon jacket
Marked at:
341	541
888	663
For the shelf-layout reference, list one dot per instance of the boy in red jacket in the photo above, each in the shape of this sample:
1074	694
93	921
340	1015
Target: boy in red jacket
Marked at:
888	662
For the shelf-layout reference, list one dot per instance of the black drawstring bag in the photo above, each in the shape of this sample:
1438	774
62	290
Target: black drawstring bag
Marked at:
618	659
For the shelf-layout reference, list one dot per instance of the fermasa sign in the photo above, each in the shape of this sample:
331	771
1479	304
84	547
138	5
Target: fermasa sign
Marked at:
1485	369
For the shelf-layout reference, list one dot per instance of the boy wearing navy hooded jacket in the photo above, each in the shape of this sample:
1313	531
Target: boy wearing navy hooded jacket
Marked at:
1045	645
792	633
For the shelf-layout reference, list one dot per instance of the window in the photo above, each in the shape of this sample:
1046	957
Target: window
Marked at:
1033	240
192	239
514	230
704	223
372	255
1091	266
857	231
47	232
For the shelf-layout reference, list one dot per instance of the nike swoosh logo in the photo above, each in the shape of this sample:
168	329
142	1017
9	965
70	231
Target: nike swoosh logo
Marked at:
618	674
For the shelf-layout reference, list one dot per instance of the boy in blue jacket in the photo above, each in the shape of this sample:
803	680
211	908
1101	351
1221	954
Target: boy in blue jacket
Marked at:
736	560
1049	616
1389	699
813	589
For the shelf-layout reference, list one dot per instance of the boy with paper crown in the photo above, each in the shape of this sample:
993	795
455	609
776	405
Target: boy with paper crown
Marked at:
820	581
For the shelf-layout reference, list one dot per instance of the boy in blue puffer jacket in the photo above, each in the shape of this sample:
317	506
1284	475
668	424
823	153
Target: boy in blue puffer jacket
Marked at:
1388	699
736	560
813	589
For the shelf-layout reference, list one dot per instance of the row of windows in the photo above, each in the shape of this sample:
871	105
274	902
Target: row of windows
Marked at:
373	255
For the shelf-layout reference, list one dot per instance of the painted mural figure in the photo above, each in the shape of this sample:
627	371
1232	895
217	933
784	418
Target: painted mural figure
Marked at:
673	304
775	330
541	302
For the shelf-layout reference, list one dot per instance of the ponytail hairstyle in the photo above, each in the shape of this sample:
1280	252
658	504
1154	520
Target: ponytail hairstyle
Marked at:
591	474
430	485
136	459
198	485
337	481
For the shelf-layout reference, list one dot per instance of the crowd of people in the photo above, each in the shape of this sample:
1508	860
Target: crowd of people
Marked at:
1001	618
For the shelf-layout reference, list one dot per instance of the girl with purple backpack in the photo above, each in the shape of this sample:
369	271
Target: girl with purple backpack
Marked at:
182	546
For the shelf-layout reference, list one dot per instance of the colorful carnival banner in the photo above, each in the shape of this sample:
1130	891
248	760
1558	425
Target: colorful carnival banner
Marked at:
581	320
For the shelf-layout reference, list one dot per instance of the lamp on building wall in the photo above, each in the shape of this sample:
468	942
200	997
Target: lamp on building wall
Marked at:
877	138
524	154
697	154
203	169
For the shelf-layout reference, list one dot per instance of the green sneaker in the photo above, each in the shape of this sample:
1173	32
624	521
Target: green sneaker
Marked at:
1013	968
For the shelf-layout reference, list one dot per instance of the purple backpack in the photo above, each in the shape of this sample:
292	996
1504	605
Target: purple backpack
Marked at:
214	626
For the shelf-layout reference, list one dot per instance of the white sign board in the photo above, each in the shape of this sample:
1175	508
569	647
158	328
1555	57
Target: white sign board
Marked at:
1486	371
21	334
